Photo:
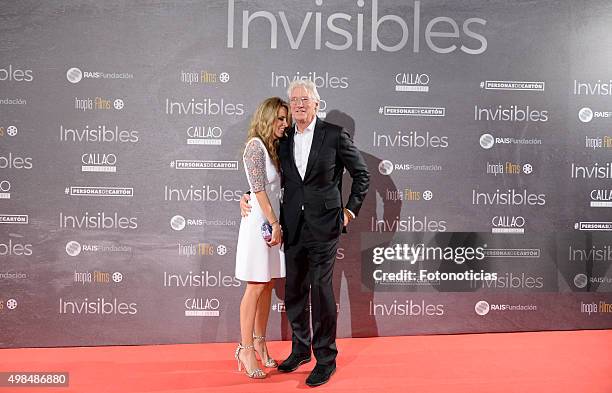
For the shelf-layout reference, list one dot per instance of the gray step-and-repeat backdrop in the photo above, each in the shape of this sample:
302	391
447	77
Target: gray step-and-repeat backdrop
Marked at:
486	125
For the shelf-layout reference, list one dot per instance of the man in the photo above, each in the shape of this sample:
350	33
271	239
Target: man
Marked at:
313	157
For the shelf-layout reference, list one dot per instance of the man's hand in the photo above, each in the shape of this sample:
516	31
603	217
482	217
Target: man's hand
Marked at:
347	217
245	208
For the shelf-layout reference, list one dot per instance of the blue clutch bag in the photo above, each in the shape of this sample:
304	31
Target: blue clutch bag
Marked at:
266	231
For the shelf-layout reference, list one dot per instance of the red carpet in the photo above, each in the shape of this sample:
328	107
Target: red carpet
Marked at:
542	362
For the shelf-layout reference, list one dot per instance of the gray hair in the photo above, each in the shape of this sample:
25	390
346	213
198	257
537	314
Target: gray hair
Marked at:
307	84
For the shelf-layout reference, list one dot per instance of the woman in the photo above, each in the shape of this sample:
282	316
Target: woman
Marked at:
259	261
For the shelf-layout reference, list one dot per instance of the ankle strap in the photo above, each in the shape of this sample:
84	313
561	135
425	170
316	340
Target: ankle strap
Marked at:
261	338
240	346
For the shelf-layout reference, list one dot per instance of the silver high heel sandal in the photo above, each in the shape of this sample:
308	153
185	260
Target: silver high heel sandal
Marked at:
256	373
269	363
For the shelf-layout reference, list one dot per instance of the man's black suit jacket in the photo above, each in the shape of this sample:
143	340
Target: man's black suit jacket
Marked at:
319	196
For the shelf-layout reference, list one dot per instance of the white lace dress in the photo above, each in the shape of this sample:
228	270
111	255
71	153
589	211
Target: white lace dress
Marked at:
255	261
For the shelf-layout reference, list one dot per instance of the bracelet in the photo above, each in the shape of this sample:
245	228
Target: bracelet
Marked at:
273	222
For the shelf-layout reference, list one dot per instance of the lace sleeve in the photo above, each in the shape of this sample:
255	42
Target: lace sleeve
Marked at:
255	163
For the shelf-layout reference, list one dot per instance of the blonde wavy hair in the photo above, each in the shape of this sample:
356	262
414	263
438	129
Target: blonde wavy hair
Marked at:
262	125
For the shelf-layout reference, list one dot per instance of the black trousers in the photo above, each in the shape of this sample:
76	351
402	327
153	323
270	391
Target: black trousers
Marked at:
309	269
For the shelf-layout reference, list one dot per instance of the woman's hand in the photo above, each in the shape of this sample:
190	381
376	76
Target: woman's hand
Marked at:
277	235
245	208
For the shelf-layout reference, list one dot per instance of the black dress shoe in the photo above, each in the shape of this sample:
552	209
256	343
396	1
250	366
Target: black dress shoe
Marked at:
320	374
293	362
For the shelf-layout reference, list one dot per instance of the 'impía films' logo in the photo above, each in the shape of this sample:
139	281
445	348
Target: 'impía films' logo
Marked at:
205	77
98	104
8	130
